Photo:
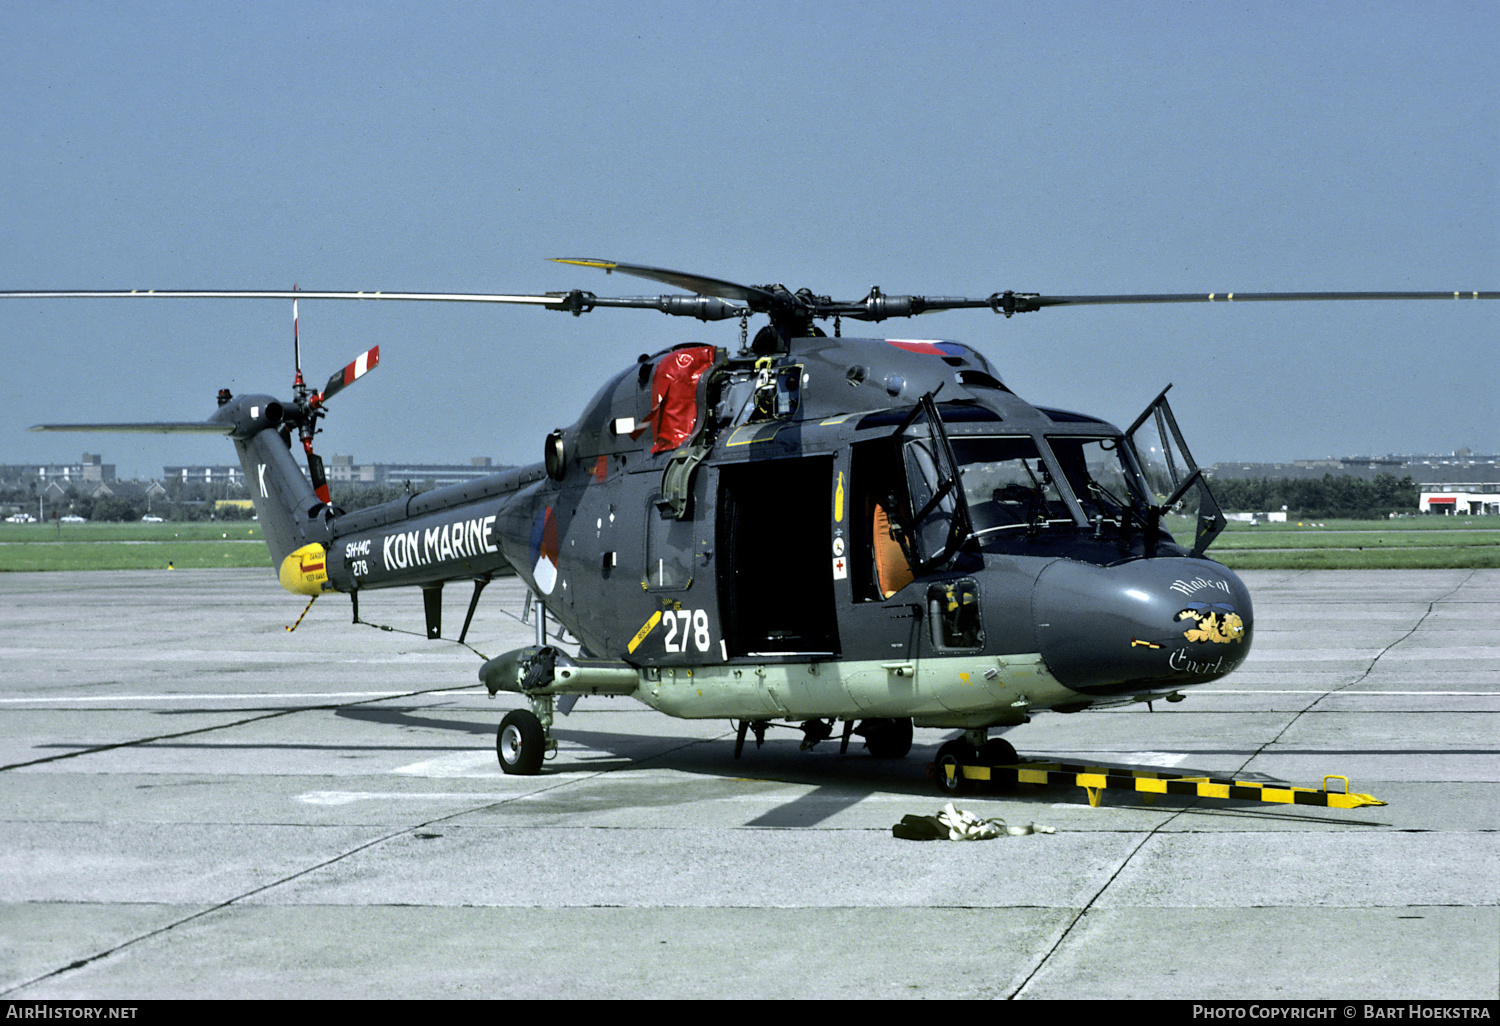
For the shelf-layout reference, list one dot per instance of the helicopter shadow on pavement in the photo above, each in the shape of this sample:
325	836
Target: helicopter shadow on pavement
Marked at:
408	718
838	782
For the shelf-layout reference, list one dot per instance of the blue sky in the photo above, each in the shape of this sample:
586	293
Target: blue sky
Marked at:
945	149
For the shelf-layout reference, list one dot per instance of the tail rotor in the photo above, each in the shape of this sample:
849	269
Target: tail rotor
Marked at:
309	405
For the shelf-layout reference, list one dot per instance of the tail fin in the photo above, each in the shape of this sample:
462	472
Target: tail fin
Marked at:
293	519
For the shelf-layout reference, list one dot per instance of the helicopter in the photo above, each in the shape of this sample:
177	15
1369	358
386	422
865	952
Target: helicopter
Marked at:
805	530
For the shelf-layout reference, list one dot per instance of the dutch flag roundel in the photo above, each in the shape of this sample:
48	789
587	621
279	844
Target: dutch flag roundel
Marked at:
544	549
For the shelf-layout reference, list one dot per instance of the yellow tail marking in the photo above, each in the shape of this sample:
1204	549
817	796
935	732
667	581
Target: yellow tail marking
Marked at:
305	571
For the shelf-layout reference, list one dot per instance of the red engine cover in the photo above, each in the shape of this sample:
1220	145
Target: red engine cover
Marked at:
674	395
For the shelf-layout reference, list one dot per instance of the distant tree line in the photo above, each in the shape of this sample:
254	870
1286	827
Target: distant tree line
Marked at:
1333	496
1340	497
352	496
185	500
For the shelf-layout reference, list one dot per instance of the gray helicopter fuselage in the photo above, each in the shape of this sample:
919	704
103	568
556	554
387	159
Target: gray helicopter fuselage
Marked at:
816	528
745	535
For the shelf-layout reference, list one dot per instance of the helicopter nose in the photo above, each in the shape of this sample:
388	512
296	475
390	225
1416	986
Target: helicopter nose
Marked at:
1151	625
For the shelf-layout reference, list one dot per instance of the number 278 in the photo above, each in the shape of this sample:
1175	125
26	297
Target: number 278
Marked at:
684	626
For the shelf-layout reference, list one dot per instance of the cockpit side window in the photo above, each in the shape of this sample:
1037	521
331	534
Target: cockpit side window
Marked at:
931	494
935	517
879	565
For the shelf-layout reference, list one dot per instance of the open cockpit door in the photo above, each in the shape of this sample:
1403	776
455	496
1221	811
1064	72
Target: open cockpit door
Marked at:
1177	485
938	514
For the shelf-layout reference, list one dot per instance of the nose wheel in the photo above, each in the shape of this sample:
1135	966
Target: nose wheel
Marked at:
521	743
959	753
951	760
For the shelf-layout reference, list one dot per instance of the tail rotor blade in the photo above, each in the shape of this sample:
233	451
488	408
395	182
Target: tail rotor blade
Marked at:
296	343
318	476
357	368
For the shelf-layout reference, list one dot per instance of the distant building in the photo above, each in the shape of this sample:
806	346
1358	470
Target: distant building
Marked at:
342	470
137	491
90	470
1472	498
1461	466
209	475
421	476
1277	517
1457	483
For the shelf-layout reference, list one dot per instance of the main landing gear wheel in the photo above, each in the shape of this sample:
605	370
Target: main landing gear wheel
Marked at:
955	754
521	743
999	752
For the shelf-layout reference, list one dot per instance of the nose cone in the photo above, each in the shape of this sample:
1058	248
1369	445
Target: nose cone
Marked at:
1147	625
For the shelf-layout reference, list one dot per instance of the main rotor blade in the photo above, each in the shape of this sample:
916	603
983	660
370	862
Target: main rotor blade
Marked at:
704	308
877	306
149	427
558	300
701	284
874	307
1248	297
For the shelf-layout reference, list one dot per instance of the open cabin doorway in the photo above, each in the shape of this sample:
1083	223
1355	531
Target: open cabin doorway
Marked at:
776	557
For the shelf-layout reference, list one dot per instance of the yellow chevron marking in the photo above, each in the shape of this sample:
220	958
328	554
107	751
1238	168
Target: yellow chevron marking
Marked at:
646	629
1096	780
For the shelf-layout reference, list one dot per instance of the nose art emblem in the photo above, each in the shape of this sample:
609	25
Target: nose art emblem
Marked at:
1215	623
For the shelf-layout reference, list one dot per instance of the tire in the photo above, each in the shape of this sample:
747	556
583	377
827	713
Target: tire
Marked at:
999	752
954	754
888	739
520	743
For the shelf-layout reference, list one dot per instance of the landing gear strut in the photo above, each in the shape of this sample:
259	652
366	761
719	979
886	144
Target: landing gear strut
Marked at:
758	726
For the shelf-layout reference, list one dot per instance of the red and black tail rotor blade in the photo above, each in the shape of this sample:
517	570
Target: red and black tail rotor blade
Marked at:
318	476
357	368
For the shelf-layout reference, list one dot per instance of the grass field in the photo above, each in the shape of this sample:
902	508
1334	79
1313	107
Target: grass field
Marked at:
131	546
1415	543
